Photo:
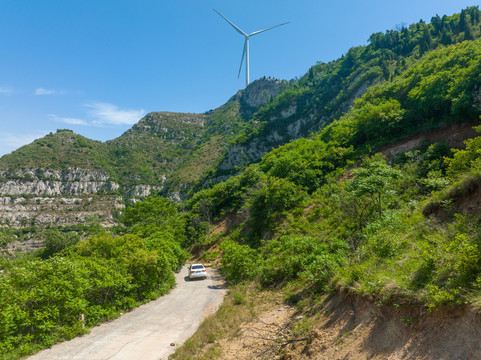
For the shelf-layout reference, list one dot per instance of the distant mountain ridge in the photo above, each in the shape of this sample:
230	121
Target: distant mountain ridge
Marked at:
174	153
63	177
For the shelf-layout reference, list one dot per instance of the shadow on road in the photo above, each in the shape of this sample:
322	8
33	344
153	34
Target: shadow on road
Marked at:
216	277
186	278
219	281
217	287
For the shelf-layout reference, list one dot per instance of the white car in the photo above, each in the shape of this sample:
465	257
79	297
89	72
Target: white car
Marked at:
197	271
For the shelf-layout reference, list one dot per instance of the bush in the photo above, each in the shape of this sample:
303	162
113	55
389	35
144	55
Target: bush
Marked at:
56	241
283	260
42	300
240	262
290	257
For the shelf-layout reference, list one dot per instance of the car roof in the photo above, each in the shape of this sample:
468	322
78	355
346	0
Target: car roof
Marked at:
197	265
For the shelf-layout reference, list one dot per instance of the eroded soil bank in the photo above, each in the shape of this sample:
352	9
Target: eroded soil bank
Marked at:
350	327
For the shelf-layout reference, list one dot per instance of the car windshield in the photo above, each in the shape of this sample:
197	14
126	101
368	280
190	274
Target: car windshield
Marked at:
197	267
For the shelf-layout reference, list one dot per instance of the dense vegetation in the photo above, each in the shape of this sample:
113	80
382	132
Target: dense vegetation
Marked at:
58	150
328	90
71	286
329	212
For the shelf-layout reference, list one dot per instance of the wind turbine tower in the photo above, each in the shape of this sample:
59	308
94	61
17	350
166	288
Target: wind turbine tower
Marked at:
245	52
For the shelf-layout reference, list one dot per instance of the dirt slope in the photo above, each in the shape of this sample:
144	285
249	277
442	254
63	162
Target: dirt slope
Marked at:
452	134
349	327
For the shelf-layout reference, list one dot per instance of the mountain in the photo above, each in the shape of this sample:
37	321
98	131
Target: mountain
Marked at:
63	178
182	146
357	184
177	153
376	209
328	90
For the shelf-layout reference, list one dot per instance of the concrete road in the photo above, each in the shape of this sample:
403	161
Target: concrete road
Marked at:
147	332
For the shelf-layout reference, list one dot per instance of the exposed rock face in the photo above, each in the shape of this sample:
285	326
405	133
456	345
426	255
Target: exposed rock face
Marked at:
175	196
44	197
261	91
238	155
71	182
25	246
452	134
257	94
294	121
143	190
58	211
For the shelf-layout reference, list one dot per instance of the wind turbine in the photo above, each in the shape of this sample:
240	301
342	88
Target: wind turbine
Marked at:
246	43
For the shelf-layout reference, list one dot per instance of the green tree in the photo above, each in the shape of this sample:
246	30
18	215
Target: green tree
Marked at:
446	37
376	120
468	32
374	180
463	21
56	241
426	41
437	24
151	210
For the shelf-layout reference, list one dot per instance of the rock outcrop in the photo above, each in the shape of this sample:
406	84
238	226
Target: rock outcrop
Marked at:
292	120
257	94
42	197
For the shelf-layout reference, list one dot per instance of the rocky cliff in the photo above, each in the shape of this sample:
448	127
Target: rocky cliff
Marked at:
64	179
51	182
291	118
41	197
257	94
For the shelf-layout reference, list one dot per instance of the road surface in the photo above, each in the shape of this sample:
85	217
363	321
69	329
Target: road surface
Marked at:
147	332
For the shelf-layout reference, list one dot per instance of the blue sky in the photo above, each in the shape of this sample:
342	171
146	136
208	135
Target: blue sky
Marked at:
97	67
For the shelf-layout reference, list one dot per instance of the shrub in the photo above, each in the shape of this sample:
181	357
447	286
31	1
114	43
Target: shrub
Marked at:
240	262
56	241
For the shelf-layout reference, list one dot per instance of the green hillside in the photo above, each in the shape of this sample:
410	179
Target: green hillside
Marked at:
329	211
59	150
328	90
155	146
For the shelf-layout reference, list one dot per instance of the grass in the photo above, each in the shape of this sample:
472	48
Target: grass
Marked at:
241	304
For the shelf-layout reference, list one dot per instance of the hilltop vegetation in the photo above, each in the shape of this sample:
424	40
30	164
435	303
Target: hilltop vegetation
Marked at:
328	90
58	150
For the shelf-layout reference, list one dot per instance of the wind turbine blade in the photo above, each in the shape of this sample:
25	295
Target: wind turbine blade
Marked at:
272	27
235	27
242	58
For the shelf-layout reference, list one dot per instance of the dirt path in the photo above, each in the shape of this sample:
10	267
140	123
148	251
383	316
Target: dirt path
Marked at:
148	331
